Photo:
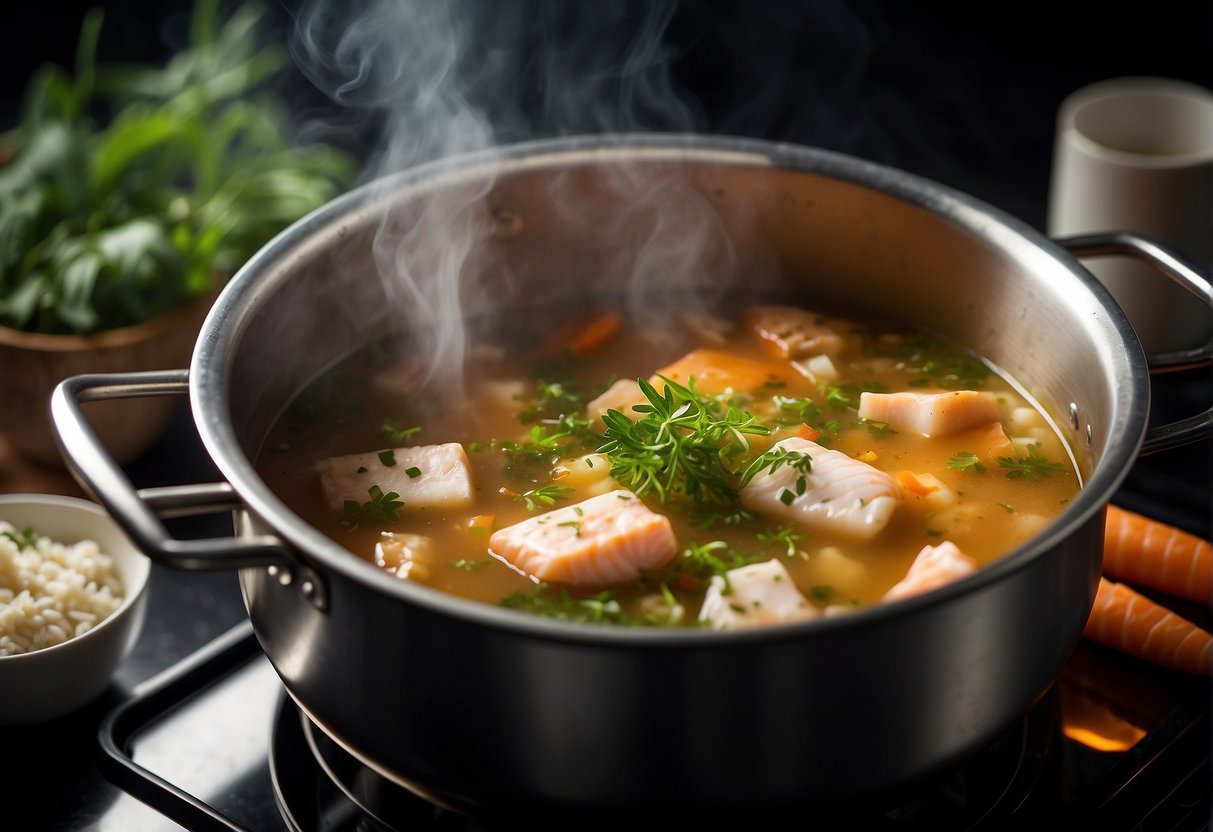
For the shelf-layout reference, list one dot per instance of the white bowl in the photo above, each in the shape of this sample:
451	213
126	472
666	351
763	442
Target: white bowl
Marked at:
50	682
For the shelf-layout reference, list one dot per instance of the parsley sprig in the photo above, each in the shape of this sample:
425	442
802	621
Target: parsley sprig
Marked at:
1030	467
684	444
544	495
381	508
966	461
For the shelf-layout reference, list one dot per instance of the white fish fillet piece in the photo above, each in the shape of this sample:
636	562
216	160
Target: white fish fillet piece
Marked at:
608	539
931	414
933	567
841	494
758	595
443	478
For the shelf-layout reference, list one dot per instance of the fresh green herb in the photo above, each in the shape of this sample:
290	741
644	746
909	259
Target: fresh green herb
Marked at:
26	538
821	592
701	562
362	469
1030	467
396	433
575	525
797	411
841	397
775	459
413	472
683	444
552	399
785	536
103	225
966	461
381	508
388	459
544	600
545	495
956	371
878	429
786	496
541	446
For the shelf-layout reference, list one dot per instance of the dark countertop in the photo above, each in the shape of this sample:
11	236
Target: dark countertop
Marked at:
964	94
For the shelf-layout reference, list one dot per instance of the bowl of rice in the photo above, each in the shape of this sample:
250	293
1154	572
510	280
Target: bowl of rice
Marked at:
72	601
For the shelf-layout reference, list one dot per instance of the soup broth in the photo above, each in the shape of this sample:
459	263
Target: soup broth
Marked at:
836	450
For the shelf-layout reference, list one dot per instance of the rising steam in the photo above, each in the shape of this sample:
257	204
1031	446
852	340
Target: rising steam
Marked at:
440	79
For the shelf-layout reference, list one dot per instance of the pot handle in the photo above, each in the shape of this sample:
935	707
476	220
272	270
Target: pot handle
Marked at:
139	512
1171	264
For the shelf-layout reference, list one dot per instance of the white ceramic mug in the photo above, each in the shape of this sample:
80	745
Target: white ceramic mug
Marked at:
1137	154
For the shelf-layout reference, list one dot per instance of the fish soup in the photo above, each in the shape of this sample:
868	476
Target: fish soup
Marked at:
760	464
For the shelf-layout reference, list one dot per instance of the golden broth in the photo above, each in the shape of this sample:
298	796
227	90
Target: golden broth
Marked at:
518	382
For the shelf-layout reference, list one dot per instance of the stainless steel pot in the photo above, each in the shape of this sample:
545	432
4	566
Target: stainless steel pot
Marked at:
491	711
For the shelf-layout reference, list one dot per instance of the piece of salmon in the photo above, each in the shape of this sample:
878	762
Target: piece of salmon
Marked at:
608	539
757	595
790	332
933	567
425	476
717	372
930	414
840	493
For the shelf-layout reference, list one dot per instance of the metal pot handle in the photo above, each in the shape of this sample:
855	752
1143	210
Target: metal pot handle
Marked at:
1174	266
139	512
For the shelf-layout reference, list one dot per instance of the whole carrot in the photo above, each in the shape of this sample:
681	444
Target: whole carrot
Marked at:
1126	620
1153	554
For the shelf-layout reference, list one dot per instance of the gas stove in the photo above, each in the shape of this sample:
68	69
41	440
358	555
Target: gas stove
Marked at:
214	743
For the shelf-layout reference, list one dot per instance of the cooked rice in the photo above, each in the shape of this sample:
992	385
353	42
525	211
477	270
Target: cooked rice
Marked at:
52	591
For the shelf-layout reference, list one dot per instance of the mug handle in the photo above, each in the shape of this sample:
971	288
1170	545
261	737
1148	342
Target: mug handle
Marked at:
1175	267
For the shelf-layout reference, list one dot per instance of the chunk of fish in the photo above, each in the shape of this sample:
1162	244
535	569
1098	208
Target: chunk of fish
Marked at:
933	567
840	494
425	476
619	396
757	595
406	555
790	332
604	540
931	414
716	372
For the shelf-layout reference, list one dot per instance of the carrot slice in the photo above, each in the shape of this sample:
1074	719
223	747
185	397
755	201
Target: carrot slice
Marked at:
1126	620
582	336
1150	553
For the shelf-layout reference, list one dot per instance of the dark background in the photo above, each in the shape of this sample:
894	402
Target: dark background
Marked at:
964	93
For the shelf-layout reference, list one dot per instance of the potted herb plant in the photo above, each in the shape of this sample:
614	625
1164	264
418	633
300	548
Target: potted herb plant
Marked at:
128	195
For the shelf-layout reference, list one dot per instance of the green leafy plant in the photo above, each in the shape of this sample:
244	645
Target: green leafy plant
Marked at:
109	220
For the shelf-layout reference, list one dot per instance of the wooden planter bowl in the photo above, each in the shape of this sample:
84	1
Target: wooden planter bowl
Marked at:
31	364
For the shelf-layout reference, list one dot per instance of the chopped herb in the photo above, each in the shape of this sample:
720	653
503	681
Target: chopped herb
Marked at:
387	459
413	472
361	469
786	497
785	536
1030	467
545	495
821	592
575	525
966	461
26	538
799	410
543	600
393	431
1010	509
381	508
878	429
775	459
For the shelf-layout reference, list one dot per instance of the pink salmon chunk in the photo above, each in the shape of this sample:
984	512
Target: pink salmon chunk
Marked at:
933	567
608	539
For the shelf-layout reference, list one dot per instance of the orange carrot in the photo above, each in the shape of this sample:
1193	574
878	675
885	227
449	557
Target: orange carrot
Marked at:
1150	553
1126	620
809	433
911	482
582	336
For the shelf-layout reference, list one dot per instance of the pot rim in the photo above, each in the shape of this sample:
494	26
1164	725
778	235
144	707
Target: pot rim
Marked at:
213	354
